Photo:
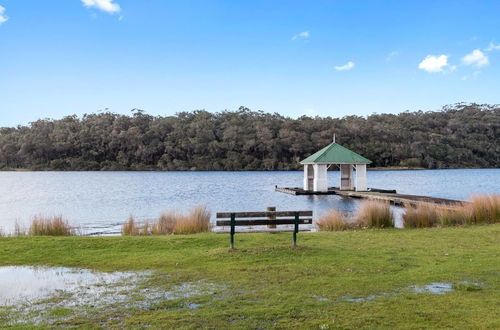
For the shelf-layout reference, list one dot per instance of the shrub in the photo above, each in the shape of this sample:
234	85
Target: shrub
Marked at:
333	220
375	214
52	226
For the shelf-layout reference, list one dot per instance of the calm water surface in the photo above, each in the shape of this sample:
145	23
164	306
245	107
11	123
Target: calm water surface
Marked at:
101	201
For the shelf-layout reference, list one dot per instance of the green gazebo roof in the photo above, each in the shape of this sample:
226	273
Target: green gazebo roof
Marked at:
336	154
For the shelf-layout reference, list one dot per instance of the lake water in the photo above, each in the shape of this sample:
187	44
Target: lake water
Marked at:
99	202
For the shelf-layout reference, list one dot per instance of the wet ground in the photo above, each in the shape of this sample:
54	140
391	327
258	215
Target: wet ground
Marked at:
56	295
47	295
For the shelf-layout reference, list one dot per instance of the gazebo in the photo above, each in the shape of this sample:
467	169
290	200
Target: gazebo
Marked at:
316	166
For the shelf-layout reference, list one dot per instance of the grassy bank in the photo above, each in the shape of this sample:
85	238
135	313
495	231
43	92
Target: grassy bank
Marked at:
267	284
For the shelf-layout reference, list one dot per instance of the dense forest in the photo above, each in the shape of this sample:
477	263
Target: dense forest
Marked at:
460	135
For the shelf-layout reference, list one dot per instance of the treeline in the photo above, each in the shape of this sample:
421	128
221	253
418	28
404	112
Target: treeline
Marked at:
461	135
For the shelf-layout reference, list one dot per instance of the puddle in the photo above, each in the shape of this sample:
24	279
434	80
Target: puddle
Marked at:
21	285
371	297
435	288
37	295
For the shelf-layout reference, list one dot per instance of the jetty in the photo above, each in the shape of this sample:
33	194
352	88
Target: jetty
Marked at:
316	179
390	196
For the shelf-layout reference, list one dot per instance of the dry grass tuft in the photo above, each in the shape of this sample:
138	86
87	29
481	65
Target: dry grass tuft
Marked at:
51	226
374	214
485	208
195	221
166	224
333	220
129	228
482	209
423	215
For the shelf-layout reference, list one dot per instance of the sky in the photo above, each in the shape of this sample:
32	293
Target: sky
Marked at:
325	58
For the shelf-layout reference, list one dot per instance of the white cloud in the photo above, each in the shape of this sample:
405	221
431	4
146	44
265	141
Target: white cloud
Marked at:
433	63
303	35
391	55
348	66
476	58
491	47
3	18
105	5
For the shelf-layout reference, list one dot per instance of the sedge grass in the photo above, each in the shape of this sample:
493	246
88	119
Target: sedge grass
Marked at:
485	208
333	220
195	221
50	226
375	214
423	215
481	209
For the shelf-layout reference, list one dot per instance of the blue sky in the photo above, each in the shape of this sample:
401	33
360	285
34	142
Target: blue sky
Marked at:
327	58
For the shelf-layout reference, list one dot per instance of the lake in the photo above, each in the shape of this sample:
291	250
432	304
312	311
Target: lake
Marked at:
99	202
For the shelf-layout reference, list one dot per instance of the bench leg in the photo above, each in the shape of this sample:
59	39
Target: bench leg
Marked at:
233	223
295	229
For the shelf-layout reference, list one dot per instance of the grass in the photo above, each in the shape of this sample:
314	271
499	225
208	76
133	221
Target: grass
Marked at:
333	220
195	221
481	209
49	226
268	284
374	214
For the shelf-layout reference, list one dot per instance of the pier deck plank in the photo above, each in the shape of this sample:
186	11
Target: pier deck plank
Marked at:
375	194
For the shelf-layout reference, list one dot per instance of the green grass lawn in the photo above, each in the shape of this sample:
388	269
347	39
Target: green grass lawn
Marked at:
264	283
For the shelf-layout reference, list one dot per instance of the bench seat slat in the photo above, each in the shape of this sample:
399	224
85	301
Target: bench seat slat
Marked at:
222	215
262	222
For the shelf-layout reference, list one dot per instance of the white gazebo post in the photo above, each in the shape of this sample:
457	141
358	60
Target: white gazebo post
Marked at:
320	177
361	177
308	177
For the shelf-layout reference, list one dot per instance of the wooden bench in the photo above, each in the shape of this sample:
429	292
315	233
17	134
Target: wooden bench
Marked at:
295	218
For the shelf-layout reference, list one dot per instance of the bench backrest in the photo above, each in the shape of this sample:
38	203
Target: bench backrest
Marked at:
271	218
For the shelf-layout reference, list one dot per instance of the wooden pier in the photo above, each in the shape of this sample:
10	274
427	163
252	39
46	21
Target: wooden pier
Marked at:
374	194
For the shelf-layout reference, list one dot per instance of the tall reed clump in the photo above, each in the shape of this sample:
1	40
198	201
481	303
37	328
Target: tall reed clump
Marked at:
333	220
485	208
375	214
50	226
481	209
131	228
423	215
196	220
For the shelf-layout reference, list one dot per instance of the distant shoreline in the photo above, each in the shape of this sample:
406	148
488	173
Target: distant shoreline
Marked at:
389	168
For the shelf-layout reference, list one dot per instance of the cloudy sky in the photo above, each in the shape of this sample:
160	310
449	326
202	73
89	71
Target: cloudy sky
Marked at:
327	58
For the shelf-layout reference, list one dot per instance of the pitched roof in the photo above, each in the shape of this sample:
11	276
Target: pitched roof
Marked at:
337	154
